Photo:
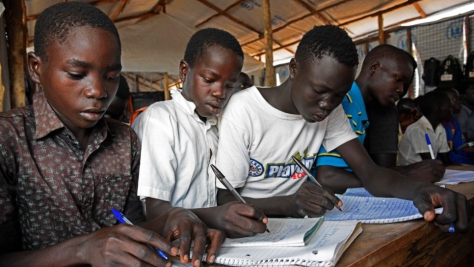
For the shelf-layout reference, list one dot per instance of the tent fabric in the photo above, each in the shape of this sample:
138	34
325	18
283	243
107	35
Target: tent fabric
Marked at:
156	43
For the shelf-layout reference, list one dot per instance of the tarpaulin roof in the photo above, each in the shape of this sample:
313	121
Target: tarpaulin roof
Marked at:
154	33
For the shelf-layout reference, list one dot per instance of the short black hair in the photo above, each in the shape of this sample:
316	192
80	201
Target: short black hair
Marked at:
327	40
432	100
54	24
205	38
388	51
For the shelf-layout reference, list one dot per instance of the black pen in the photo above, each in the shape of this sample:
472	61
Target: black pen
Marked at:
303	167
229	187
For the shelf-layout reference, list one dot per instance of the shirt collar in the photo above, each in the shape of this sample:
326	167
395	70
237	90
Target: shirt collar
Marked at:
189	107
47	121
426	123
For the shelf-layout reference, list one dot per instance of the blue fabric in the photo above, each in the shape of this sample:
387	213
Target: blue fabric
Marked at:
455	140
354	107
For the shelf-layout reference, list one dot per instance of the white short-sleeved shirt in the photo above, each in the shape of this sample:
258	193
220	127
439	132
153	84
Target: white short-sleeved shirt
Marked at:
414	143
176	153
256	142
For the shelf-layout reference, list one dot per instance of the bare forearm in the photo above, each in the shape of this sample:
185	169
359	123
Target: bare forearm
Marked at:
68	253
337	179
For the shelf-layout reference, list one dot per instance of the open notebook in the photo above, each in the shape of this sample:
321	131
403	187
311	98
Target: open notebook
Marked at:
323	249
289	232
362	206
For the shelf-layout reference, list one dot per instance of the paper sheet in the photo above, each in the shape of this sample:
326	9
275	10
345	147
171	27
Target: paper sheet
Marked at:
456	177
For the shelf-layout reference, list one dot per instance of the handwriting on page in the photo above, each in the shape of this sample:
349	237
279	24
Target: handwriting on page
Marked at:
361	206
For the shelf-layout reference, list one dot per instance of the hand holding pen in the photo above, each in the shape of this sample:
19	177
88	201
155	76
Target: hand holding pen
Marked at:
229	187
311	177
452	225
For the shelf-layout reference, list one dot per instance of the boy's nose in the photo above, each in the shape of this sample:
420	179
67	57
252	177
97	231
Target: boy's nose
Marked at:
96	90
219	92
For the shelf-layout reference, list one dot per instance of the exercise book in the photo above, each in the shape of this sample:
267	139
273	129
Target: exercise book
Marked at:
359	204
289	232
324	249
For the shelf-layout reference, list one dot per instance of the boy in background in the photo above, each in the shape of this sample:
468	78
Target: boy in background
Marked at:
263	128
63	167
179	138
436	108
386	71
453	131
466	116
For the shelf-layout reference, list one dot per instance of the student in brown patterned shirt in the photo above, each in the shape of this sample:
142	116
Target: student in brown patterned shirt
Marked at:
63	167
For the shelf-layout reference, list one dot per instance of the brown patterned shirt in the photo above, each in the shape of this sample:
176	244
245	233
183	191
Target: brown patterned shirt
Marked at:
52	189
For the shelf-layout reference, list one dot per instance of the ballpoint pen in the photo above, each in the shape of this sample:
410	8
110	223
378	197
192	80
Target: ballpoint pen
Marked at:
452	225
303	167
227	185
122	219
428	141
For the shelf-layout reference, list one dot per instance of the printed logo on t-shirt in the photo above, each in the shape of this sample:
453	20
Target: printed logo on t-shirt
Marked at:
256	168
288	170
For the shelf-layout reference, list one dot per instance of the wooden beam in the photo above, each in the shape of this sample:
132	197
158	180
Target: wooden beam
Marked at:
409	2
420	10
17	32
370	39
119	10
409	46
381	34
275	49
270	79
313	12
221	12
166	90
218	14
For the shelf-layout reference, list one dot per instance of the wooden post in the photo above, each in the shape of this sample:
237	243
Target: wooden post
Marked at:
2	89
381	33
137	82
410	51
270	79
165	85
467	23
15	17
366	49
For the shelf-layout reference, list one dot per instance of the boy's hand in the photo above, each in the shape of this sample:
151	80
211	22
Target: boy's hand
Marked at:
185	225
239	220
456	208
312	201
429	170
126	245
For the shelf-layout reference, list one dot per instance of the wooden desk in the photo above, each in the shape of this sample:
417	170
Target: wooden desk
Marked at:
414	243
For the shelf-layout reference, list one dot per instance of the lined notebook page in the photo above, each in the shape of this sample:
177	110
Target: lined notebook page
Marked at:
321	250
283	232
362	206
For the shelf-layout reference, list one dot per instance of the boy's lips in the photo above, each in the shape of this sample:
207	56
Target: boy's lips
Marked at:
93	114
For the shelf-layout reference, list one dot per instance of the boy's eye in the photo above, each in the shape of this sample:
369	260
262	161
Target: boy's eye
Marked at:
206	80
113	79
75	76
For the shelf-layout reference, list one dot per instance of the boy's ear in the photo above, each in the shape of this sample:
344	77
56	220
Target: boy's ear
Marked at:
183	70
375	65
34	66
293	67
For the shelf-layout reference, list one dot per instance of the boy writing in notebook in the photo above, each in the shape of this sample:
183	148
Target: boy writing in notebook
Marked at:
63	167
263	128
179	138
385	72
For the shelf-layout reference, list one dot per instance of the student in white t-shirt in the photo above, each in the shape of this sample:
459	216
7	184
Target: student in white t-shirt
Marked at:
179	138
263	128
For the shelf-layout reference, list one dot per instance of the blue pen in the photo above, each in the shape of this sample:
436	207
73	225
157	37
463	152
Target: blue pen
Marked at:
452	227
428	141
122	219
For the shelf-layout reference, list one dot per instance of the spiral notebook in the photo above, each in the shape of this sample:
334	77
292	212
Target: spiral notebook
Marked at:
290	232
323	249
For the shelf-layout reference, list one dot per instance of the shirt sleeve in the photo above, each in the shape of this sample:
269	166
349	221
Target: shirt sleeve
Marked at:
158	162
233	157
339	131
